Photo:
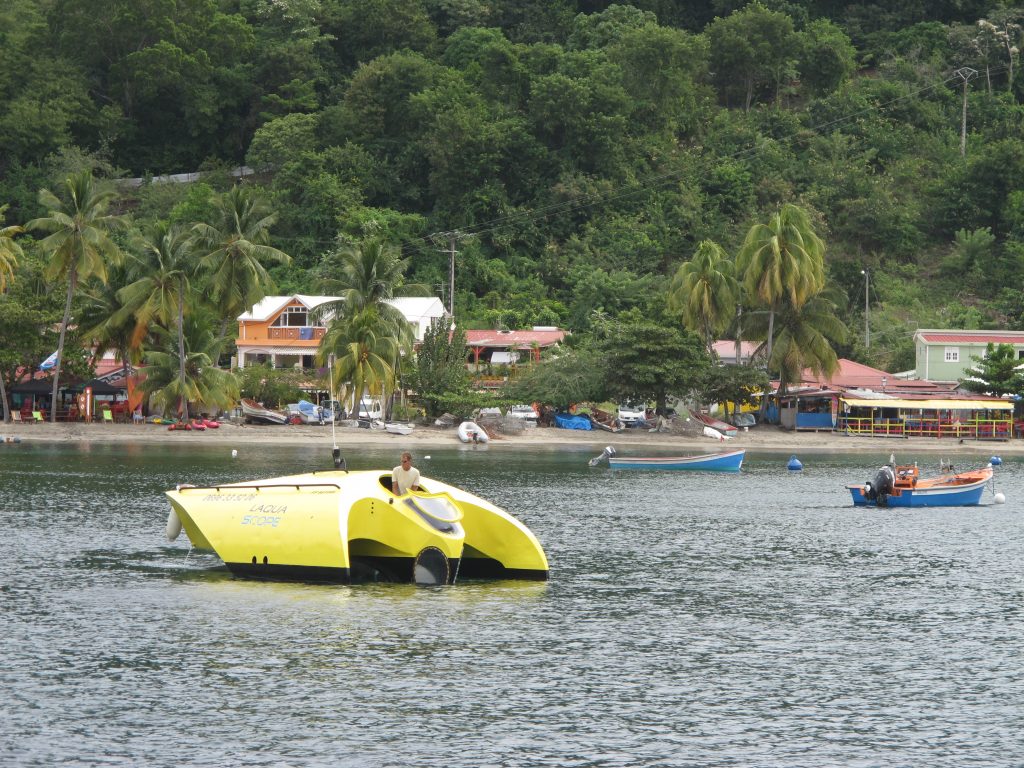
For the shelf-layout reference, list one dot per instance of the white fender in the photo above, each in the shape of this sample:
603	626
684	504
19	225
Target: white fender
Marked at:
173	525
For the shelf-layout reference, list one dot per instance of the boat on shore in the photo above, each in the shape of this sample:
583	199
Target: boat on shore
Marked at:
345	527
471	432
604	420
254	412
730	461
398	428
728	430
902	486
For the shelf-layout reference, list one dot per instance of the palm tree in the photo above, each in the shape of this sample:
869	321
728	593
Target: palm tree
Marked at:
160	293
703	291
782	262
9	251
105	324
203	383
79	245
805	338
371	274
365	354
234	249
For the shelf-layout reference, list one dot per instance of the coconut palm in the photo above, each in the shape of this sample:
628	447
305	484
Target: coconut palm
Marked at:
79	244
703	291
371	273
9	251
782	262
234	249
204	384
161	291
365	352
104	323
805	338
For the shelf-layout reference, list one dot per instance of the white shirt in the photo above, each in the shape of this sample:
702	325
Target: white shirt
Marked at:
404	479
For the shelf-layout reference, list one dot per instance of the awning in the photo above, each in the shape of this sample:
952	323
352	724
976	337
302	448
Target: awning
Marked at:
99	387
931	405
505	358
33	387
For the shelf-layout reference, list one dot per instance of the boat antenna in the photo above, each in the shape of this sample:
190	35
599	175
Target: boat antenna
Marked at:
339	462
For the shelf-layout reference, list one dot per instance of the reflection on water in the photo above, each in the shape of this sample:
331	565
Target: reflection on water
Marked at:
755	619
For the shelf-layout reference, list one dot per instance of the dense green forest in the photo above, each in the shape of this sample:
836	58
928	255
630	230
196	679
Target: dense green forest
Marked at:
575	154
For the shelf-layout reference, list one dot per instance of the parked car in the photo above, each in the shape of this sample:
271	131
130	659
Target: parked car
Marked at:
632	414
523	412
370	409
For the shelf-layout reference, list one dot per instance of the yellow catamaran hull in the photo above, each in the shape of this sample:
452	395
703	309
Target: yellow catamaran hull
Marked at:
342	526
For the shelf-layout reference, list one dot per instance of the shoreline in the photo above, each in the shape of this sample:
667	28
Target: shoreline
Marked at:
762	439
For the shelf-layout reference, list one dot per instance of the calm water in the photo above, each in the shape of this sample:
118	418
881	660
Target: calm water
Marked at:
691	620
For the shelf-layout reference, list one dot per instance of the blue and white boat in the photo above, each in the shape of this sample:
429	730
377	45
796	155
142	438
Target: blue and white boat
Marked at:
730	461
902	486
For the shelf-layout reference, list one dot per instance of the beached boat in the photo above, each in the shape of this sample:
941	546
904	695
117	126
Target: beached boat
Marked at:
604	420
341	526
471	432
398	428
310	413
728	430
730	461
253	411
903	486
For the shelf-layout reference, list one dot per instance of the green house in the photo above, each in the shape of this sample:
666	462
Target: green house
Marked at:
944	355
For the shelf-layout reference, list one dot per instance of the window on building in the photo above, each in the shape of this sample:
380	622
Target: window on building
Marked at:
293	317
1020	354
952	355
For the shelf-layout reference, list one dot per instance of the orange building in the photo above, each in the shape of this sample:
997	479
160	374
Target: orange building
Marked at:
281	330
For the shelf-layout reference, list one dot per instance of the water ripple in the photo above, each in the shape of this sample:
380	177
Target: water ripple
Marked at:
690	620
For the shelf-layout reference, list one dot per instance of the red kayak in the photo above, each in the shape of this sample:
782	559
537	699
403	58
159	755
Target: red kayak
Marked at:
174	427
210	424
198	425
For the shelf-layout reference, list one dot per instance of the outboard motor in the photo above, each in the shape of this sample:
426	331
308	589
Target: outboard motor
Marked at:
607	453
878	489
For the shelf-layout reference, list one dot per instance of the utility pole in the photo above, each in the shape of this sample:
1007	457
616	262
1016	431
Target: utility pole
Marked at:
966	74
867	326
452	237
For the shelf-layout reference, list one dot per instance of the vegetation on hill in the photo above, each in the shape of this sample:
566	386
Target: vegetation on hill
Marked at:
574	154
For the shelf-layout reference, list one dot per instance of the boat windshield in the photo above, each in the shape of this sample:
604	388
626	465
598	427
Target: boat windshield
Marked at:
439	511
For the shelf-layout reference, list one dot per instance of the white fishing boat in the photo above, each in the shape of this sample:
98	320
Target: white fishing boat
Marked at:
254	412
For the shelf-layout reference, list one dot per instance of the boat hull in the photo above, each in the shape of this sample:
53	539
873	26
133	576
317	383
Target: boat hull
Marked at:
349	527
252	411
471	432
715	462
962	495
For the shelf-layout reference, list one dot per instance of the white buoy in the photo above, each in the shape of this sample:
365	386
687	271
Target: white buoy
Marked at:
234	453
999	498
173	525
426	457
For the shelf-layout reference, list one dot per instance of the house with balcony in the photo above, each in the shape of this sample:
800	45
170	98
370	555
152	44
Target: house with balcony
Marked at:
282	331
944	355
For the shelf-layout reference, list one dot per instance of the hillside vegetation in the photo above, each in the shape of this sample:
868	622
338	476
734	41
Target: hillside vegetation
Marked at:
574	154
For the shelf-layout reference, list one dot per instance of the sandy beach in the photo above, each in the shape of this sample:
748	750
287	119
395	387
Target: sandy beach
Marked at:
683	438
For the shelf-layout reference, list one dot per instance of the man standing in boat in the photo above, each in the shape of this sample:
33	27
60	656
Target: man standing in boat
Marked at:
405	477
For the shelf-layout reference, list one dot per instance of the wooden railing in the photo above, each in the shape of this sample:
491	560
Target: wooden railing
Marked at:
279	332
979	428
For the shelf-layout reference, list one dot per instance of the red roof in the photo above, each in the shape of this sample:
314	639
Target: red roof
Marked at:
514	339
853	375
972	337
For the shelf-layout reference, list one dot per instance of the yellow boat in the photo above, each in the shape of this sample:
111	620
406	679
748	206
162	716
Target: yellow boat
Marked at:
342	526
